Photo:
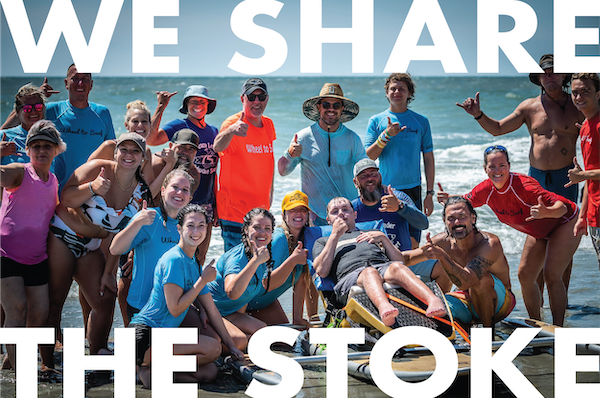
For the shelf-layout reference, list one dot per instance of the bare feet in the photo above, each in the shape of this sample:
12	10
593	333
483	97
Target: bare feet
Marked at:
436	308
388	314
6	363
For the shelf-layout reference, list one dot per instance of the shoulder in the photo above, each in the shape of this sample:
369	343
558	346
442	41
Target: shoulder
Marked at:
529	104
230	120
99	108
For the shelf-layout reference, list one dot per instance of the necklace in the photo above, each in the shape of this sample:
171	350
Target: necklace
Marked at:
119	184
563	106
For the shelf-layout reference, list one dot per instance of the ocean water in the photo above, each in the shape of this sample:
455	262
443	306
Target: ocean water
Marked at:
458	141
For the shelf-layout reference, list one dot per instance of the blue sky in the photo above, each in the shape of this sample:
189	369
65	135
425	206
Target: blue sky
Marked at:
206	42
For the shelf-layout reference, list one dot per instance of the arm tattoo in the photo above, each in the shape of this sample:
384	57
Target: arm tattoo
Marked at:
479	266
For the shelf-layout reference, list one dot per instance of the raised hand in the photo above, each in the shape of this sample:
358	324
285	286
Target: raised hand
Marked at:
7	148
389	202
339	227
168	155
146	216
240	128
163	98
101	184
575	174
261	254
538	211
394	128
300	254
47	88
295	149
209	273
471	105
431	250
442	197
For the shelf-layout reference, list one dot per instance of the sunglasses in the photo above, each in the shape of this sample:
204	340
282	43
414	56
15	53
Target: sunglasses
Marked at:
327	105
252	97
495	147
28	107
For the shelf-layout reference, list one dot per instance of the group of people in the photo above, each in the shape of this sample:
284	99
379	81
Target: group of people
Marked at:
113	207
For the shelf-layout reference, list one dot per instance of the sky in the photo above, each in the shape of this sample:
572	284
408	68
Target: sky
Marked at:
206	42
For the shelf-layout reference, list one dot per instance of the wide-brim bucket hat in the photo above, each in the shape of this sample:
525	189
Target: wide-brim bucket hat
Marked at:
197	91
330	90
546	62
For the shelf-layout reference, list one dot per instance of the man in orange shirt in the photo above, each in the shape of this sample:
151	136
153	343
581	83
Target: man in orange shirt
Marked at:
245	147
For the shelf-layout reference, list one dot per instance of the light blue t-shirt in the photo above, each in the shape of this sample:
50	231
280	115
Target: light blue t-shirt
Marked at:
82	129
233	262
18	135
280	249
400	161
173	267
151	242
321	182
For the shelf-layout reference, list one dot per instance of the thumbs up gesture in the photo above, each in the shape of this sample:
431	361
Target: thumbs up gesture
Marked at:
101	184
442	197
300	254
538	211
295	149
146	216
261	254
240	127
389	202
7	148
576	174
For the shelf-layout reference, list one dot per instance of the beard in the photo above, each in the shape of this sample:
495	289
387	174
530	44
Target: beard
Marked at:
371	197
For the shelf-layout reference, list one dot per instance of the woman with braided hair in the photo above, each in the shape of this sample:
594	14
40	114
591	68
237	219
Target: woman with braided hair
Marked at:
243	271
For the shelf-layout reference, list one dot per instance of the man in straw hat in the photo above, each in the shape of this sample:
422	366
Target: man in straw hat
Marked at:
396	137
245	147
327	150
551	119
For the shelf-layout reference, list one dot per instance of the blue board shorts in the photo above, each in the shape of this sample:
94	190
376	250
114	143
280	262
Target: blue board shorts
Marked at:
463	310
555	180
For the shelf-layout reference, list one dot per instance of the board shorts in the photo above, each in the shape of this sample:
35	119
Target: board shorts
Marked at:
231	232
343	286
424	269
33	275
463	311
595	235
415	194
555	180
79	245
143	337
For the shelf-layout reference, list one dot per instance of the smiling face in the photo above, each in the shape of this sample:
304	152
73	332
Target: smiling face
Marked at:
260	230
550	81
254	109
197	107
193	230
458	220
398	94
129	155
185	152
497	168
585	97
138	122
296	218
176	194
368	183
79	86
31	102
327	112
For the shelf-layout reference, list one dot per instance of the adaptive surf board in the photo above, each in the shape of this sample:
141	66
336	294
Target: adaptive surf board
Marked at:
246	371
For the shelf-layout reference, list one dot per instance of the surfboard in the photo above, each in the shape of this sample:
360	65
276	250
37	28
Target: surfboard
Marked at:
247	371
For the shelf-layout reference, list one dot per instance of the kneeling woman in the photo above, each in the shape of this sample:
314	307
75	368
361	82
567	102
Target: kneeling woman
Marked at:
177	284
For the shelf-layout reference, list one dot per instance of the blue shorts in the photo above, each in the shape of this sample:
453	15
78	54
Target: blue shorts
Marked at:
415	195
424	269
463	310
231	232
555	180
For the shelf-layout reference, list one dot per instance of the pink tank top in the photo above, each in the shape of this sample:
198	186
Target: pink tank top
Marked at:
25	217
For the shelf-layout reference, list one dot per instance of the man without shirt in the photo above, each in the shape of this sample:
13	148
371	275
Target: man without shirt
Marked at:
551	120
397	136
326	151
245	147
474	260
397	210
366	259
585	91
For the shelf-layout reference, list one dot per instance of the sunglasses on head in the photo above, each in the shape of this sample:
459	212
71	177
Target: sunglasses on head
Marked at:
495	147
28	107
327	105
252	97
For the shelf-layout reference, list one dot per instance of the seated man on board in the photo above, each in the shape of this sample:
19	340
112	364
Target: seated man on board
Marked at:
474	261
366	259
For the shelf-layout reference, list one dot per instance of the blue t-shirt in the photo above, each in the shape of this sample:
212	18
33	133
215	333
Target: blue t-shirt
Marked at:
18	136
400	161
151	242
173	267
280	249
83	130
321	182
206	158
233	262
396	223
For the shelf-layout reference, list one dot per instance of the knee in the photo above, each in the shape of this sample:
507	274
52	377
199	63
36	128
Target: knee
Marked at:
240	340
213	350
526	276
485	285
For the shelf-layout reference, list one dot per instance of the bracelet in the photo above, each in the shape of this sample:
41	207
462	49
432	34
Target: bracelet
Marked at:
380	144
479	117
432	192
91	190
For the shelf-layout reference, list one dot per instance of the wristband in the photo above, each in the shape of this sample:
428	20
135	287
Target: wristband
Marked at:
479	117
381	144
91	190
432	192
